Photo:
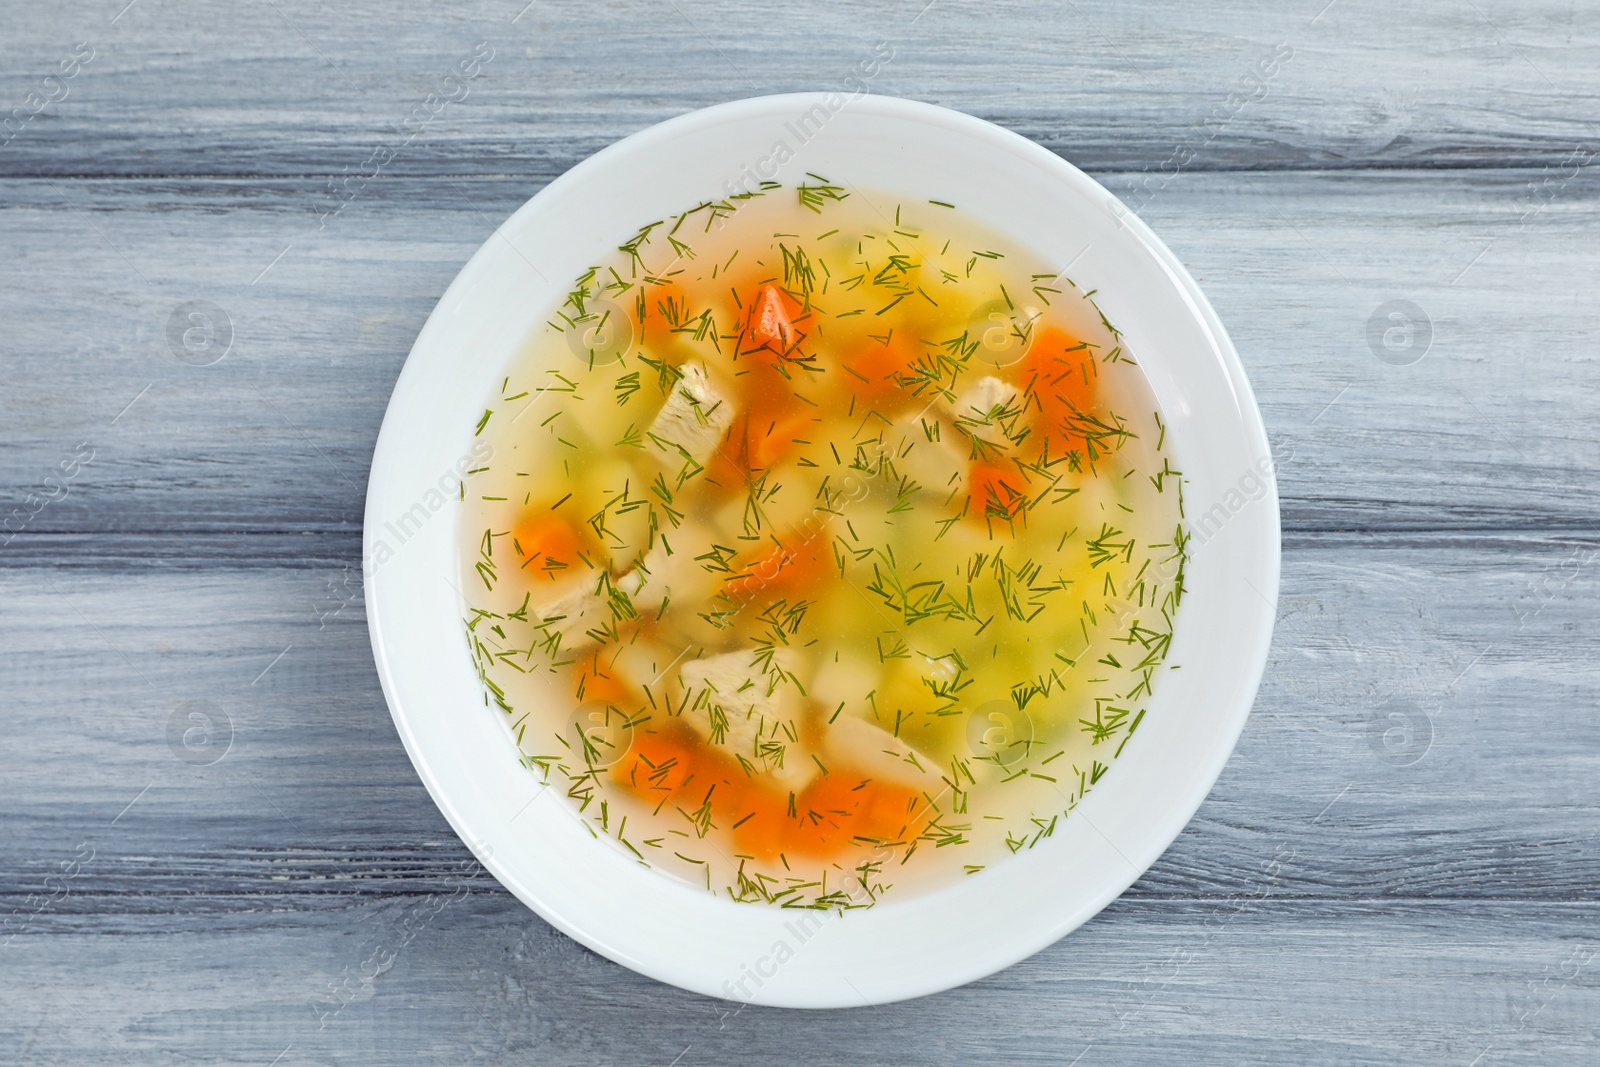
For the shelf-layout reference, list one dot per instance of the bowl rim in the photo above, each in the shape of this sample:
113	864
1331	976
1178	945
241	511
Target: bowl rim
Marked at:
1250	661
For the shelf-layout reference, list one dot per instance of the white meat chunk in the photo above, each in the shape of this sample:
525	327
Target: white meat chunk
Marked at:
984	402
649	579
991	413
593	605
866	746
751	710
692	421
646	583
576	611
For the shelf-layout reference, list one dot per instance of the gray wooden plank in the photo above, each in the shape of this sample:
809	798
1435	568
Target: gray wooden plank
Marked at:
1400	862
1249	980
1482	792
1492	430
303	88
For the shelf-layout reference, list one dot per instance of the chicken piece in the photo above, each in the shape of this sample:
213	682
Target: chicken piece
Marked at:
693	420
576	611
866	746
987	399
658	574
990	413
592	604
750	710
769	322
646	583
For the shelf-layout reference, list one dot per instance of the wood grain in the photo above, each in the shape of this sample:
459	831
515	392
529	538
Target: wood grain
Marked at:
1400	863
316	797
1253	981
278	435
292	88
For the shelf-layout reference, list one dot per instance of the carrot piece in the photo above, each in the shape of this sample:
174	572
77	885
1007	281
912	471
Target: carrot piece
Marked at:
768	442
723	470
892	811
760	821
770	325
656	766
673	764
997	492
771	413
878	363
793	567
838	808
663	304
542	534
1060	373
828	813
824	819
609	688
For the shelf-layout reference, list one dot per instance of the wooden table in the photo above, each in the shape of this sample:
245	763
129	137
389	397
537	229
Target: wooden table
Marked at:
1400	862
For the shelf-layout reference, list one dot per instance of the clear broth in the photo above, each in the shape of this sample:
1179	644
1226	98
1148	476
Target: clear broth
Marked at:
829	547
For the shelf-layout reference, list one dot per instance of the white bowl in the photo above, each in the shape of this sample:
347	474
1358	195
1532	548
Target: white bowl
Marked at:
677	933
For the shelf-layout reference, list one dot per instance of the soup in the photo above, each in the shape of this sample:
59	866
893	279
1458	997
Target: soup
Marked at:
829	546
